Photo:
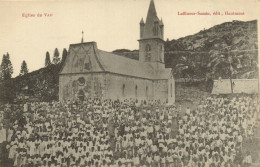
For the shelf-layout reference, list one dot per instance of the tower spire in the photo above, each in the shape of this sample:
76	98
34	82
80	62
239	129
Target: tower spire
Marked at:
82	40
152	14
142	21
151	43
152	28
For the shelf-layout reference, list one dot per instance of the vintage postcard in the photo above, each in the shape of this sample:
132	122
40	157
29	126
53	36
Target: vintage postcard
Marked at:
129	83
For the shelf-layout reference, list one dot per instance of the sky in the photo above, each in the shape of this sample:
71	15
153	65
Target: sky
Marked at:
113	24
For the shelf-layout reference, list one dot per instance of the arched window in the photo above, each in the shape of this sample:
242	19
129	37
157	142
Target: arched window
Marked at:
123	90
155	29
148	53
136	90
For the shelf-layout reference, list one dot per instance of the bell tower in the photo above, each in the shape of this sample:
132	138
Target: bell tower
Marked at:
151	43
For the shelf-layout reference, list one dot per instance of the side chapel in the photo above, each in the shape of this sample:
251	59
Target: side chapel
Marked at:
89	72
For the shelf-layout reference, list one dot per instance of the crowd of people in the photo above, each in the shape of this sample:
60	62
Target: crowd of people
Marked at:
131	133
213	134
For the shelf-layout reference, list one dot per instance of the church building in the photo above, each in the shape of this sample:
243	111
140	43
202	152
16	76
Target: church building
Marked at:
89	72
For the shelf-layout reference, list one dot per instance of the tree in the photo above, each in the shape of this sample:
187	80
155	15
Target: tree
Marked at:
56	58
47	59
64	55
10	70
179	68
229	40
185	68
6	67
250	66
24	70
7	91
2	67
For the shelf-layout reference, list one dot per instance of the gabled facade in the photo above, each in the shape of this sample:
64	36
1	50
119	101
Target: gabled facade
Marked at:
89	72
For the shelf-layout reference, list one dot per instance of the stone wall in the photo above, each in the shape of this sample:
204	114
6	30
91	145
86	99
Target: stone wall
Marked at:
222	86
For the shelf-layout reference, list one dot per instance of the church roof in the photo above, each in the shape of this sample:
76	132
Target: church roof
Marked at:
130	67
87	58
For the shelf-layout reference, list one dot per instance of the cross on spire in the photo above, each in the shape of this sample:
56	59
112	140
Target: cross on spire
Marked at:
82	40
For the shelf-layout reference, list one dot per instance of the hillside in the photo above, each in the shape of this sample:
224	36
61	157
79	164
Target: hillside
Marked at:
198	50
127	53
236	39
244	36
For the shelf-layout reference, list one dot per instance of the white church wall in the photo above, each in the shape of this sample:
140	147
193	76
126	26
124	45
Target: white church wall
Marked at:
124	87
93	86
160	90
110	86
